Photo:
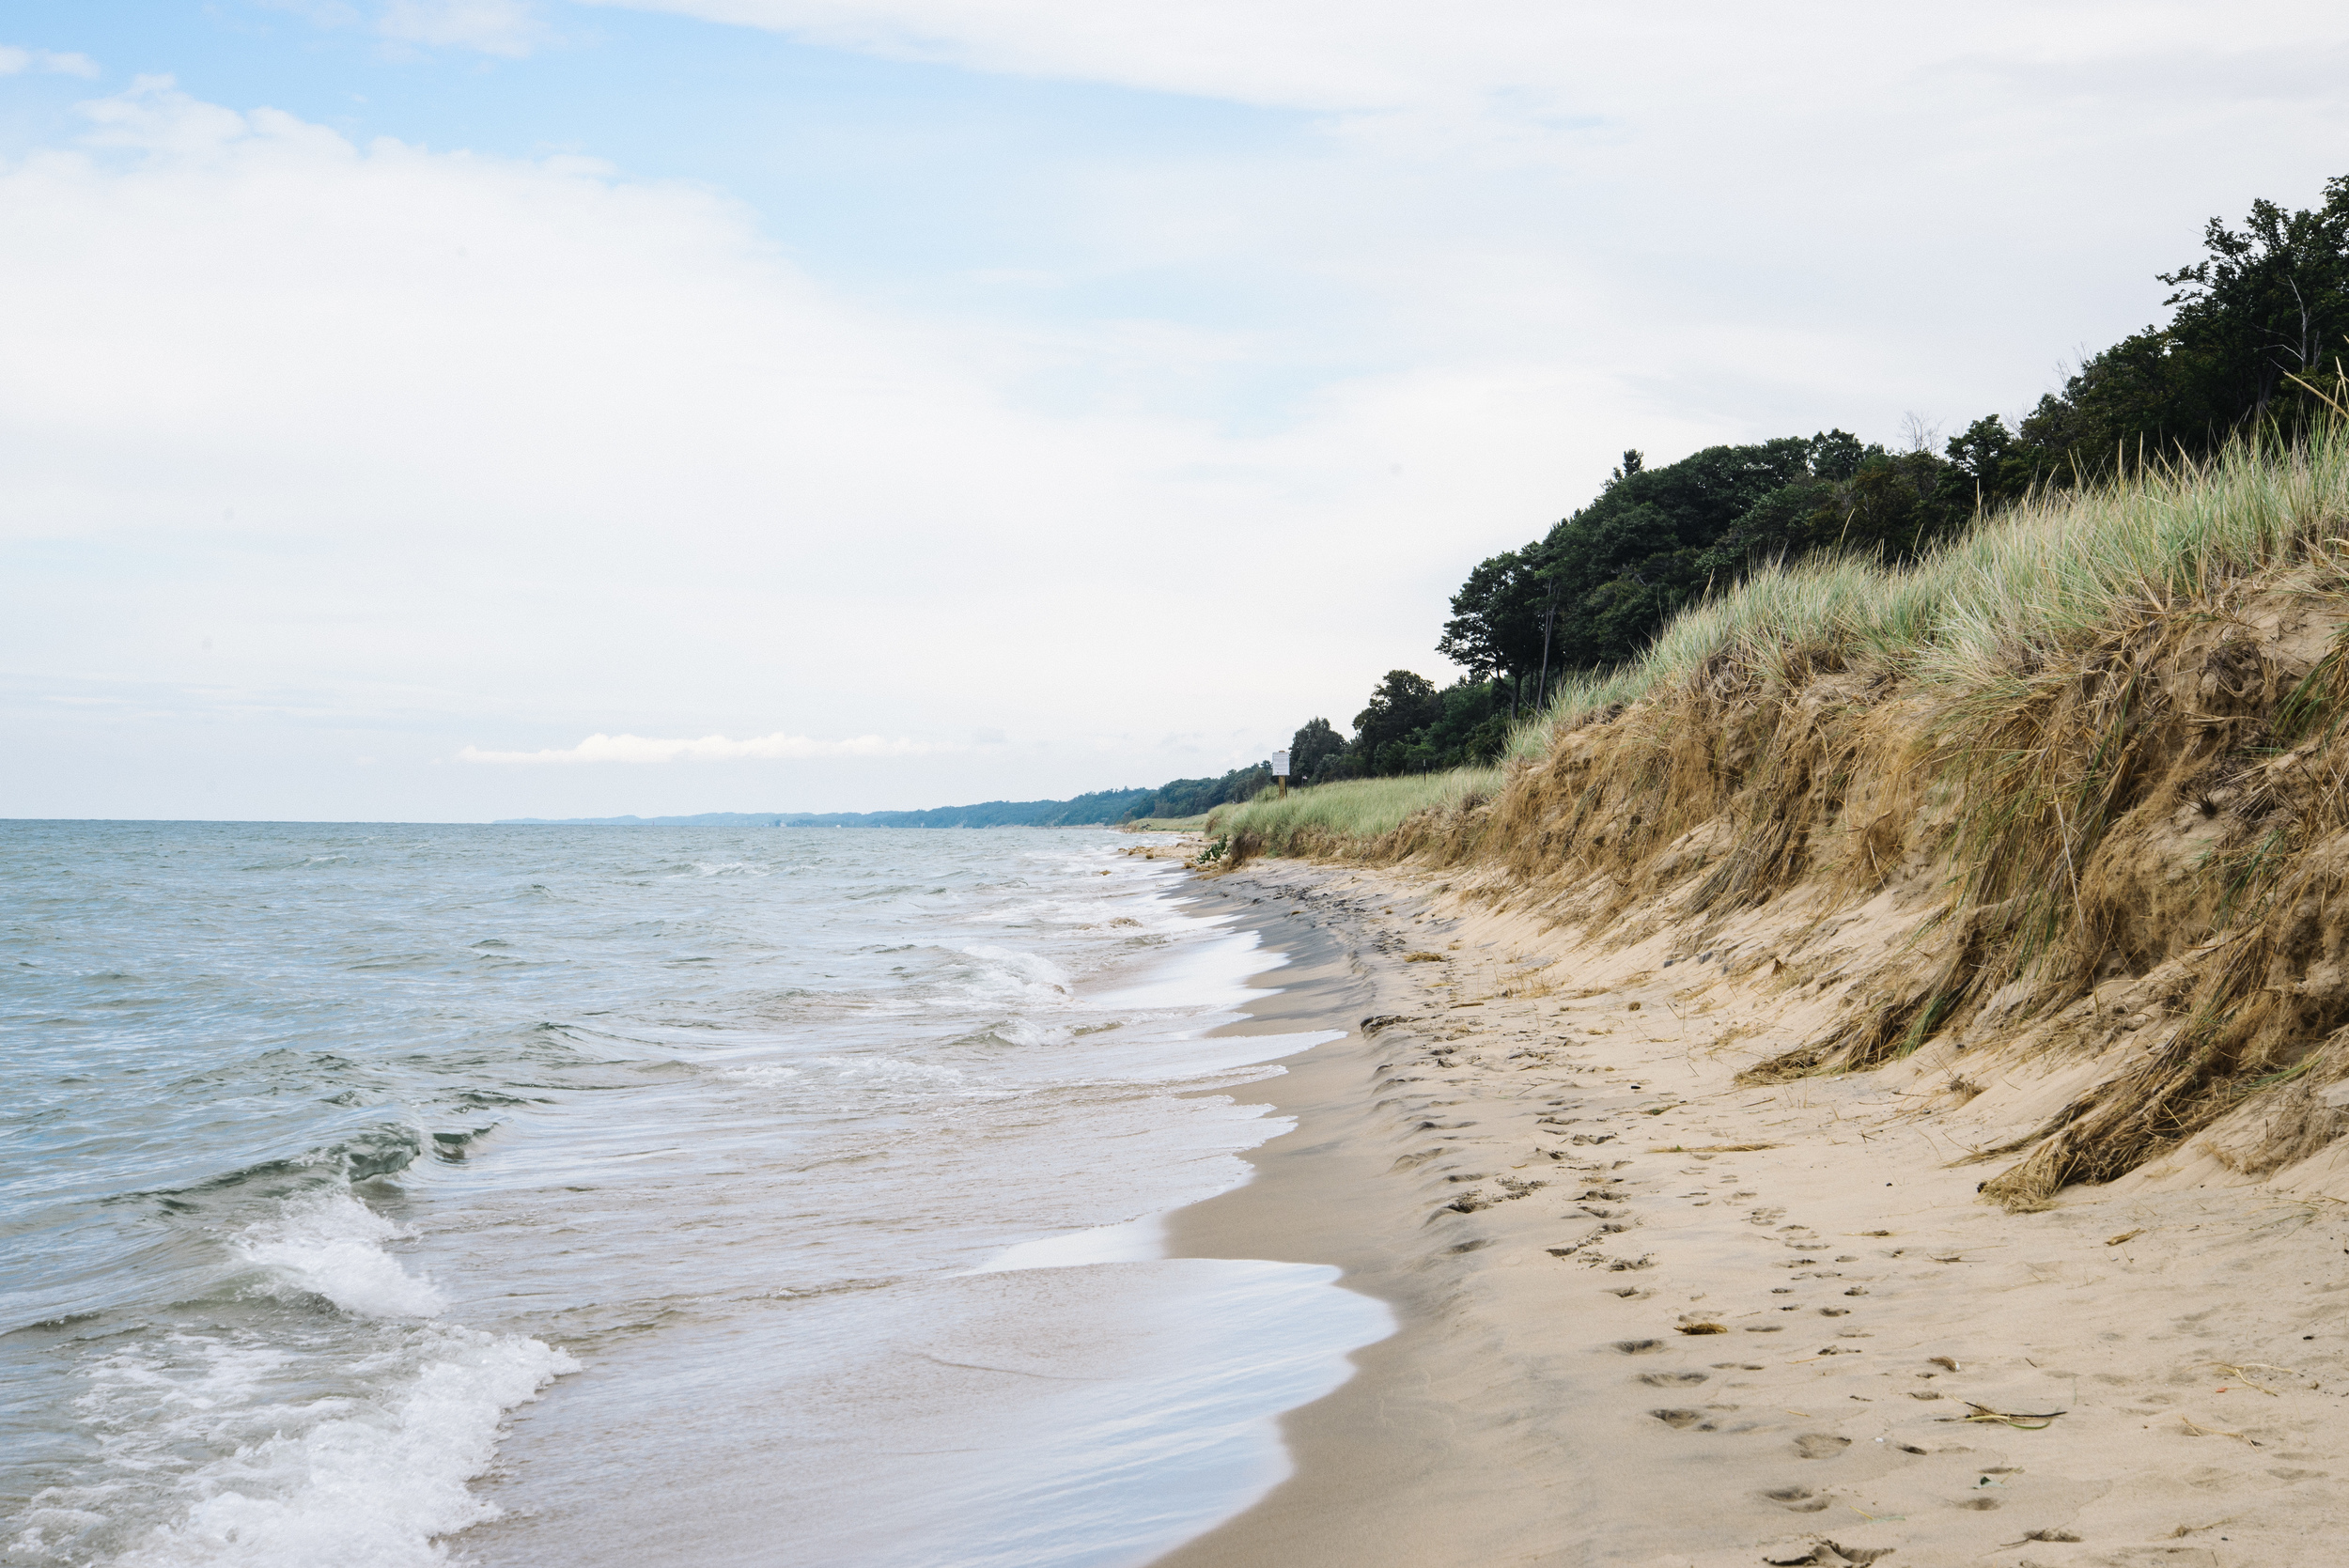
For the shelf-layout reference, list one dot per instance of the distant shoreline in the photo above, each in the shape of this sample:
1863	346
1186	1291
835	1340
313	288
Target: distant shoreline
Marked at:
696	822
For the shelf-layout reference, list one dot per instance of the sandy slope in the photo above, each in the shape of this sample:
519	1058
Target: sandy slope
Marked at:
1540	1157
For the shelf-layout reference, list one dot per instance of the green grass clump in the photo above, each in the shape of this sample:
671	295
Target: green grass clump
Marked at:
2035	579
1352	811
1165	824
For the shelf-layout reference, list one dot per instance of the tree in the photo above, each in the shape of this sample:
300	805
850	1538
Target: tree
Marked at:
1312	746
1995	462
1496	624
2267	302
1599	585
1189	796
1632	557
1402	705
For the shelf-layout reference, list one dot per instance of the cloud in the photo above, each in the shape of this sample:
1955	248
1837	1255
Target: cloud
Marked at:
509	27
1569	63
438	445
17	62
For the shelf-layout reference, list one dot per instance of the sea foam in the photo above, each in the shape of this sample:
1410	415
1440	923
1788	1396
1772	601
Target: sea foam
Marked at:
330	1244
359	1482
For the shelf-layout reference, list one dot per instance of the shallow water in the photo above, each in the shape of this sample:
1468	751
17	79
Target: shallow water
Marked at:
389	1195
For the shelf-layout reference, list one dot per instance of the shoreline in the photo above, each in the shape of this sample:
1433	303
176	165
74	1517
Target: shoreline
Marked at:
1649	1316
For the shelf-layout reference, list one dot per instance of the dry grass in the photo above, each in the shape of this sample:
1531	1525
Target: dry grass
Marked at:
2106	725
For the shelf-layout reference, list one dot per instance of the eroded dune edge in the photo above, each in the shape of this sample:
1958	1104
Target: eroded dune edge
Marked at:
1809	1075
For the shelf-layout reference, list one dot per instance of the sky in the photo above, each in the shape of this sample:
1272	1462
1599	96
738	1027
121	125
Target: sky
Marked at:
446	410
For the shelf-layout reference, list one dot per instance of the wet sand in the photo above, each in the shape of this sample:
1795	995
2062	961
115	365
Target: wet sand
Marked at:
1650	1317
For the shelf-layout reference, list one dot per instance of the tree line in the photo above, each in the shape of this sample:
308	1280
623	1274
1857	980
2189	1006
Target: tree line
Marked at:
2258	324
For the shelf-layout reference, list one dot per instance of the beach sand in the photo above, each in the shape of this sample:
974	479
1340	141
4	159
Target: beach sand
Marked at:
1650	1317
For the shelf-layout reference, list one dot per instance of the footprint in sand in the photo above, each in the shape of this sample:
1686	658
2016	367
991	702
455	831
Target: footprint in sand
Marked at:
1672	1379
1820	1445
1639	1347
1797	1500
1679	1420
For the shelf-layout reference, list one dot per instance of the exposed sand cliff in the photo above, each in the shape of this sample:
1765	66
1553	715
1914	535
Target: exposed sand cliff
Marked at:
2099	907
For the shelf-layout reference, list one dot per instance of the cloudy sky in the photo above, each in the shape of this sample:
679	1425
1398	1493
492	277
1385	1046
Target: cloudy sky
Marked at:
454	409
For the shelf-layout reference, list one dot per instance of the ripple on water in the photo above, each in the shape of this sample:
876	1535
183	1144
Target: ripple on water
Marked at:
338	1151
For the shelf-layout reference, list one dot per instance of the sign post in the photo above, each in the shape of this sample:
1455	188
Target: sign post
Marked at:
1280	772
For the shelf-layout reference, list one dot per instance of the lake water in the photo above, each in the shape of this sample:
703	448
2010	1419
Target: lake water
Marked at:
386	1195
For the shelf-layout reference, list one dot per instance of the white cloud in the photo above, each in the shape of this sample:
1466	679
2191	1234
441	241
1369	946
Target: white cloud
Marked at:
17	62
391	444
1530	62
709	748
509	27
437	446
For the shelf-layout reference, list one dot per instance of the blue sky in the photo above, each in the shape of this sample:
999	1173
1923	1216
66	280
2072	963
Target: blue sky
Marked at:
878	403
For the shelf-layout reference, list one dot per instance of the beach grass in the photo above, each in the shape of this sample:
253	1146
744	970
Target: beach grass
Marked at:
2033	580
2103	732
1981	627
1165	824
1351	811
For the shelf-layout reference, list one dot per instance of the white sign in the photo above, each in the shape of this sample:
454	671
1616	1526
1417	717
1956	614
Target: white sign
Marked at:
1280	764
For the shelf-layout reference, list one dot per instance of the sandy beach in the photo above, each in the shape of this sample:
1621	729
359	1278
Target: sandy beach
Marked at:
1650	1316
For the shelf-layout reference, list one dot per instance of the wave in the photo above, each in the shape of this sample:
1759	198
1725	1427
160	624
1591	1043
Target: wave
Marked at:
373	1479
226	1445
296	863
727	868
1026	976
381	1149
330	1245
893	1072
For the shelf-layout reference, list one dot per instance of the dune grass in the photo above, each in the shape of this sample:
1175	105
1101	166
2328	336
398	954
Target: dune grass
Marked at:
1352	811
2019	723
2027	587
2031	580
2025	711
1165	824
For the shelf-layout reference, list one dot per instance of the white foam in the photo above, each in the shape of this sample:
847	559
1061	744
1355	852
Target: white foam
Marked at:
1192	1058
353	1483
893	1072
1019	1031
1214	973
761	1072
330	1244
1020	973
1140	1240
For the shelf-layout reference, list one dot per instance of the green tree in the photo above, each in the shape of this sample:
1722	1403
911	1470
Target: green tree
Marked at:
1189	796
2267	302
1496	616
1624	563
1313	746
1402	705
